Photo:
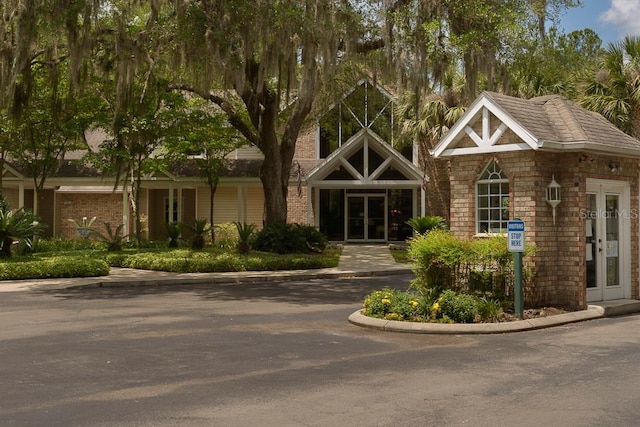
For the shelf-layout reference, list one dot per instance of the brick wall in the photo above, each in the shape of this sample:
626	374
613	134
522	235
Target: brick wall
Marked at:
559	263
297	205
106	207
306	144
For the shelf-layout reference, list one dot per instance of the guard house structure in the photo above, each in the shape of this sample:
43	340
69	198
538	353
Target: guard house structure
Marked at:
569	174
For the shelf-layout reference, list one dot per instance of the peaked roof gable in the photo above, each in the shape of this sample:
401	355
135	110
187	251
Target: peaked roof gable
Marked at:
549	123
370	142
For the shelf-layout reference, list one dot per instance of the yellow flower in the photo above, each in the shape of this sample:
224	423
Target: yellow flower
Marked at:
435	306
413	303
385	301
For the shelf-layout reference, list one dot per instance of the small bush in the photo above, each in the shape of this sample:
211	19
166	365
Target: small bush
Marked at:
189	261
460	308
290	238
489	310
424	224
392	304
66	245
226	236
53	267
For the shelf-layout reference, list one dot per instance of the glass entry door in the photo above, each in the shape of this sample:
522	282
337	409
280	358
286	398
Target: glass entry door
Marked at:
607	230
366	217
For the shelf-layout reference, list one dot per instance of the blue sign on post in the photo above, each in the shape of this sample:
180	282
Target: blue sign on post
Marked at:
515	239
515	236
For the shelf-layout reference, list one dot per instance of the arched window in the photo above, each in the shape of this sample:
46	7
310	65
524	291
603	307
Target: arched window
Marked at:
492	200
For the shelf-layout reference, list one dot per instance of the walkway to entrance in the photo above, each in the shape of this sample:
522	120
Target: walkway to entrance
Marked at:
368	257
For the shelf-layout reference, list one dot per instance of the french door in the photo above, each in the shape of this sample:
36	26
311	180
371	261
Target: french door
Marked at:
607	224
366	217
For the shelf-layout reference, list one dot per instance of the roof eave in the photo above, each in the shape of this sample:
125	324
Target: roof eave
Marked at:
555	146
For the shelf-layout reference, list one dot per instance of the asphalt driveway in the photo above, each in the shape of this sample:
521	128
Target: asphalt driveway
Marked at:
283	354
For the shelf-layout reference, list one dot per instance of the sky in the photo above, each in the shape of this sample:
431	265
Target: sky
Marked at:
612	20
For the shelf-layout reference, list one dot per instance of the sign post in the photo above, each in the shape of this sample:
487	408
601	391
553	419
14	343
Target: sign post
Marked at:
515	244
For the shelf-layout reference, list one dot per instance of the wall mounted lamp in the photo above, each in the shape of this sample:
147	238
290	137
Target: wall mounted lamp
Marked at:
614	167
553	196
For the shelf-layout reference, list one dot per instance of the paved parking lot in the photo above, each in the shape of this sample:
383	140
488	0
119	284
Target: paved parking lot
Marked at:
283	354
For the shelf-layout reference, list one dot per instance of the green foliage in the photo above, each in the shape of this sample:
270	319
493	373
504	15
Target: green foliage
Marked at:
189	261
226	236
59	245
173	233
392	304
4	204
199	229
17	225
489	309
431	306
424	224
460	308
438	256
245	231
112	237
482	266
290	238
53	266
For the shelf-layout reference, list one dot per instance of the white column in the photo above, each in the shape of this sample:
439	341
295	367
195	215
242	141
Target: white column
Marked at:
310	207
125	209
171	203
21	195
180	207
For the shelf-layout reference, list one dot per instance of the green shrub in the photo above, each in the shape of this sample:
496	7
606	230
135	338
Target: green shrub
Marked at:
112	237
489	310
424	224
58	245
460	308
18	225
245	232
290	238
437	257
226	236
53	267
173	233
199	229
391	304
186	261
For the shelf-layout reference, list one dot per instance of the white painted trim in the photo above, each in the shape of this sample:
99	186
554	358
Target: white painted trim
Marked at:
486	144
485	149
623	189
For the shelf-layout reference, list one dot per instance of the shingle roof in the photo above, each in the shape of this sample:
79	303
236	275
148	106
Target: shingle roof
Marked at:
553	119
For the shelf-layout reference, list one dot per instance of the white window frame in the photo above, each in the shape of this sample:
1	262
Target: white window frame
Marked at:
492	178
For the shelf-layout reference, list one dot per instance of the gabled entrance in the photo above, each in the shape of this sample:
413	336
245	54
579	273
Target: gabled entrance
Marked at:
365	191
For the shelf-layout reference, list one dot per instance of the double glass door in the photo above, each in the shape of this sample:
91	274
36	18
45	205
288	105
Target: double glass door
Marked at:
606	220
366	217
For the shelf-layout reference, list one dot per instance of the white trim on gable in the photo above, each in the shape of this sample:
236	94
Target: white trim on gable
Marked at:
369	139
9	173
486	142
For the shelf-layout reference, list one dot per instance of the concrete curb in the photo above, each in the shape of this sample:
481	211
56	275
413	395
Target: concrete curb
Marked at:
592	312
129	278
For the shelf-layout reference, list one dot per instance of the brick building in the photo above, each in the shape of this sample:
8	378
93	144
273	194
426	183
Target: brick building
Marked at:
349	178
504	153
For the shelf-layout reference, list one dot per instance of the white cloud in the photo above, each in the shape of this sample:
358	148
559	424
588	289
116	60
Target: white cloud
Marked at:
624	15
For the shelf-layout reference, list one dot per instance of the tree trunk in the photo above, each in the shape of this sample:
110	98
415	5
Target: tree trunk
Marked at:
274	174
5	250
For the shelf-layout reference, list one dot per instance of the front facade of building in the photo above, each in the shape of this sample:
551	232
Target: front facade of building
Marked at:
348	179
352	181
505	152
